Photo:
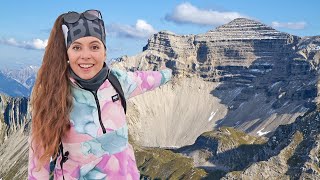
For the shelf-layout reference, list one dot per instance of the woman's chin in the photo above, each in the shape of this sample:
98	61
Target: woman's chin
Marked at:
86	76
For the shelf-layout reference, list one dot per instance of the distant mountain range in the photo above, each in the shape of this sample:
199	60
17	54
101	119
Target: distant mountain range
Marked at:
17	83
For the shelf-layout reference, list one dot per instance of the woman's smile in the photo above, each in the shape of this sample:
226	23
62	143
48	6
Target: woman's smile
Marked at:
86	66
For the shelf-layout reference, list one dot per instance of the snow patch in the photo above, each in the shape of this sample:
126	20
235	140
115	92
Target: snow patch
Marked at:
212	114
260	133
274	84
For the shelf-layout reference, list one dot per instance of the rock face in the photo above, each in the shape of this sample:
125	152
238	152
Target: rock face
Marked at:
309	49
14	128
14	155
257	76
242	42
13	115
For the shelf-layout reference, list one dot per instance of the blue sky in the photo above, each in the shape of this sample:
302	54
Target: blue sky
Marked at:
25	25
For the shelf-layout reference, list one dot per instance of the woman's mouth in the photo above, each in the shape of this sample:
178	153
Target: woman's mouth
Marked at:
86	66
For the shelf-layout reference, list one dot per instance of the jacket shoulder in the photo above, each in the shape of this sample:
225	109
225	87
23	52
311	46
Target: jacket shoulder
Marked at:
120	74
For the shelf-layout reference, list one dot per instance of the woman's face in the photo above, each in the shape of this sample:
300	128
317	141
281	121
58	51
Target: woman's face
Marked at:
86	56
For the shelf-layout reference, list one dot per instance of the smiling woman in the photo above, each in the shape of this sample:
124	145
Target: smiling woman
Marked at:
86	56
79	104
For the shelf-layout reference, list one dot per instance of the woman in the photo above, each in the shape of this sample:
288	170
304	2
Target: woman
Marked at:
78	116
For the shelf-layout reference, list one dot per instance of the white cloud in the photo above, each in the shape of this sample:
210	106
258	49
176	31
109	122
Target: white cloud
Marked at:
187	13
289	25
12	42
39	44
114	49
140	30
34	44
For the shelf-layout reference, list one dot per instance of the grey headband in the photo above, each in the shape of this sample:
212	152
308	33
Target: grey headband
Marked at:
83	28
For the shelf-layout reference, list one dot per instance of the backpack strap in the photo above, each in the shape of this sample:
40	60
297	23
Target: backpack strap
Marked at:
117	86
64	158
52	167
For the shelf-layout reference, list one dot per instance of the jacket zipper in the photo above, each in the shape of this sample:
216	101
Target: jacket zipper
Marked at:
99	111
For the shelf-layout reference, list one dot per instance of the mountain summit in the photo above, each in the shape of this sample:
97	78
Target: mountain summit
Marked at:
242	28
244	24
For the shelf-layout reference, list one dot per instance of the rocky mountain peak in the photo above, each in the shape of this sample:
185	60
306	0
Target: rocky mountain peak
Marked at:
244	23
243	28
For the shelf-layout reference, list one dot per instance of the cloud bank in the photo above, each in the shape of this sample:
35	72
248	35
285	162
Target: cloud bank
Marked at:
140	30
289	25
35	44
186	13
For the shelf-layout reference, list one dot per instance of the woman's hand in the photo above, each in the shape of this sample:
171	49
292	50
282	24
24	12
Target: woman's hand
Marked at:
163	66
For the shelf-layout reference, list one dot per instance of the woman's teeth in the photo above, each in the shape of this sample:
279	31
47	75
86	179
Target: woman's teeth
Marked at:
85	65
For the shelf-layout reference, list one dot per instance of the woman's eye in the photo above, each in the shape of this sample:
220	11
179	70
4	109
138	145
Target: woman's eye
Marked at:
95	47
76	48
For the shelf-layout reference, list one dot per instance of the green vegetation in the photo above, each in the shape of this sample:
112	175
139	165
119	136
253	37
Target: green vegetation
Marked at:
233	137
158	163
215	175
289	151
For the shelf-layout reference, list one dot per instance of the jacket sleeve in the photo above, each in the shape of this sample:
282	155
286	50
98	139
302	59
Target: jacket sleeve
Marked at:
138	82
35	173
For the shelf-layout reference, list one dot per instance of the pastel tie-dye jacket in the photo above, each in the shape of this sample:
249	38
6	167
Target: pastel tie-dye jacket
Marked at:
93	154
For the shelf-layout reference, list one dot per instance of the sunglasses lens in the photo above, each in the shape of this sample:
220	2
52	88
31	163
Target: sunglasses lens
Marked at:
92	15
71	17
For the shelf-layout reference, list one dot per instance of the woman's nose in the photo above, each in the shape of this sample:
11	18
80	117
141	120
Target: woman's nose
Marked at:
86	53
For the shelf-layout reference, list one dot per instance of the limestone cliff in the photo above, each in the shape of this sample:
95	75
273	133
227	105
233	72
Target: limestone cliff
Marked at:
13	115
14	128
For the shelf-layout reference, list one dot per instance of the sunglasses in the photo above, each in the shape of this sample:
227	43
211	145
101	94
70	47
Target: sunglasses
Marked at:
72	16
